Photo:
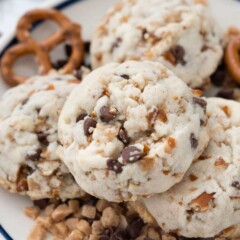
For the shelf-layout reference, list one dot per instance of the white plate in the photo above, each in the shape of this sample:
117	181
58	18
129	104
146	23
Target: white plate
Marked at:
88	13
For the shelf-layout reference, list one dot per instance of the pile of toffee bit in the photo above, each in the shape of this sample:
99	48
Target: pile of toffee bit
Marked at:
89	219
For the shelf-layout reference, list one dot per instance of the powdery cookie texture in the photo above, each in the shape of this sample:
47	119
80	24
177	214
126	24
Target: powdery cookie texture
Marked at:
180	34
29	139
207	200
131	129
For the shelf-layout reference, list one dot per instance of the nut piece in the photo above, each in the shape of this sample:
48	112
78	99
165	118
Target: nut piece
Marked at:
84	227
89	211
202	202
61	229
102	204
71	223
37	233
61	212
49	210
45	222
32	212
110	218
73	205
75	235
97	228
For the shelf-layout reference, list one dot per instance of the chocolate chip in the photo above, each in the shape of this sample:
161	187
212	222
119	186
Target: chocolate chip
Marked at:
42	138
59	64
88	124
68	50
131	154
219	76
35	156
107	113
135	228
81	117
178	52
114	165
116	44
87	46
123	136
201	102
226	93
236	184
42	203
121	235
193	141
125	76
78	74
202	123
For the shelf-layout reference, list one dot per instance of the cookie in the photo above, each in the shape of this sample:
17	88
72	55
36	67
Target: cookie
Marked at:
29	139
130	130
180	34
207	200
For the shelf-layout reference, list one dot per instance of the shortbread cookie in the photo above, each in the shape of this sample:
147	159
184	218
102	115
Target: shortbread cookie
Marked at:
131	129
180	34
29	139
207	200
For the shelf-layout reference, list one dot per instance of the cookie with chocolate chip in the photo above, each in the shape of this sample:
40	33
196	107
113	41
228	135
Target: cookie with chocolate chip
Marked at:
29	114
206	202
139	131
180	34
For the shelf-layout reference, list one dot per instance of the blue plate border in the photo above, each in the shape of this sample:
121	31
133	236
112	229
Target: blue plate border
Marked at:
3	232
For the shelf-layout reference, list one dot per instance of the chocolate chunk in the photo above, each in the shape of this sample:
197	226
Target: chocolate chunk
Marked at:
107	113
68	50
114	165
219	76
201	102
178	52
226	93
123	136
42	203
59	64
121	235
125	76
236	184
131	154
193	141
81	117
42	138
88	124
35	156
135	228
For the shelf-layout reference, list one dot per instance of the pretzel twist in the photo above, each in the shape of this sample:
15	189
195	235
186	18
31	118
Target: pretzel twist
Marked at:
232	57
68	31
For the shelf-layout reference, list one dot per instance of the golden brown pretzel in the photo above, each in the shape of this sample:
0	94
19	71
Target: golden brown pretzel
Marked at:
28	45
232	58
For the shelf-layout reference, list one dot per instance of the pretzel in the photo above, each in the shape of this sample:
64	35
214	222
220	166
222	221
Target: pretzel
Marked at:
28	45
232	58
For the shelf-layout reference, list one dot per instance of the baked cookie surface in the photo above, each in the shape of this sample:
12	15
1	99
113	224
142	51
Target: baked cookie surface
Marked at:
179	34
131	130
28	140
207	200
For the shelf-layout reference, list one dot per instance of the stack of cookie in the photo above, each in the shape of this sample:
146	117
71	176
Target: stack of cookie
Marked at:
134	133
